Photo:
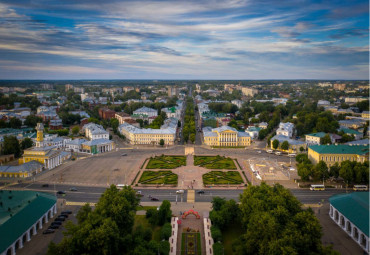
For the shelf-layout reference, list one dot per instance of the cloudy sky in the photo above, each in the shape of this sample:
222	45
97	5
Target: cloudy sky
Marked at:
237	39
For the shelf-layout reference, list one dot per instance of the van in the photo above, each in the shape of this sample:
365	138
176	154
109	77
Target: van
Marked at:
270	151
278	153
181	191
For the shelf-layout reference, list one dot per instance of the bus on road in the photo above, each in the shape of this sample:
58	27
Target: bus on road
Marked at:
317	187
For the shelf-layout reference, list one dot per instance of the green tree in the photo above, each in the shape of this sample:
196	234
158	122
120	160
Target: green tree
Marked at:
114	123
164	212
26	143
192	137
346	171
334	170
275	144
304	171
15	123
75	130
166	231
83	213
321	171
32	120
11	146
326	139
161	142
285	145
301	149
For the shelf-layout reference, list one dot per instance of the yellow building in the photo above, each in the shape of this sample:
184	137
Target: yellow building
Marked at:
46	155
332	154
365	114
225	136
28	169
136	135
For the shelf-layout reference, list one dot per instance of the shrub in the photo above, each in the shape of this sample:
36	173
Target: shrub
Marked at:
216	234
166	231
218	249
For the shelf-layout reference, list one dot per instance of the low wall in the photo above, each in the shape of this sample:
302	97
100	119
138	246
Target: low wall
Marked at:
173	238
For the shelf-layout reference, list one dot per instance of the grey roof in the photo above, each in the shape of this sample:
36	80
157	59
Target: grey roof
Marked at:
224	128
26	167
243	134
145	109
97	142
77	141
360	142
282	138
169	127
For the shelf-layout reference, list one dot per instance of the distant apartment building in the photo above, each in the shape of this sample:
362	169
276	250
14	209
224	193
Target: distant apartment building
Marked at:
229	87
94	131
173	91
238	103
285	129
79	90
323	103
197	88
122	116
47	113
353	100
325	84
127	89
68	87
47	86
249	91
55	124
106	113
339	86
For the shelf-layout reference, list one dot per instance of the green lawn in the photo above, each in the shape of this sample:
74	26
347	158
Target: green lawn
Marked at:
193	238
230	235
214	162
141	220
166	162
158	177
219	177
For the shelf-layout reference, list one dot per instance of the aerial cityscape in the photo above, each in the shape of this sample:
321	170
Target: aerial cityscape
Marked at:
184	127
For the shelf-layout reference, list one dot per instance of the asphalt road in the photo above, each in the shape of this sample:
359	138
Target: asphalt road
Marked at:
92	194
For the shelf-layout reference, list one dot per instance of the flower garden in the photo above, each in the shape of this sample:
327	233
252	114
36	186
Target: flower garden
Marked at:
166	162
190	243
158	177
215	162
222	178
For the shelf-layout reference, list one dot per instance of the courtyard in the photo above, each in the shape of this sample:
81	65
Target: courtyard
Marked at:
215	162
166	162
222	178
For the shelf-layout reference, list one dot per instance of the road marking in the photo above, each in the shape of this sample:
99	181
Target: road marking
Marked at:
191	196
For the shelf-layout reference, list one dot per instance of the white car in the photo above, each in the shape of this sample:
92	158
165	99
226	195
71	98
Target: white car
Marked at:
181	191
259	152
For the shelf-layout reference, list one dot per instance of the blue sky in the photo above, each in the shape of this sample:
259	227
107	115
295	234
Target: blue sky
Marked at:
238	39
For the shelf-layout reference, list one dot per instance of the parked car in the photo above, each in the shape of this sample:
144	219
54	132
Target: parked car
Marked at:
154	199
66	212
124	154
139	193
45	185
181	191
54	226
200	191
56	223
73	189
63	215
259	152
60	219
48	231
61	192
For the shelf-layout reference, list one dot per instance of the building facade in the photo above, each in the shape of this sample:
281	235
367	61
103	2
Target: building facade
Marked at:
314	138
149	112
225	136
285	129
94	131
336	153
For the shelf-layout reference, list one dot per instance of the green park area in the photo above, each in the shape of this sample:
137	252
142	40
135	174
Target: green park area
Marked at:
191	244
166	162
158	177
214	162
219	177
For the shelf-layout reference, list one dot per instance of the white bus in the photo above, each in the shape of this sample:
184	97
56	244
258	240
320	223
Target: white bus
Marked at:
360	187
121	186
317	187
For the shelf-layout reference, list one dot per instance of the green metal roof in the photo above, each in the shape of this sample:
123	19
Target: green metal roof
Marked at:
355	207
350	131
26	207
319	134
341	149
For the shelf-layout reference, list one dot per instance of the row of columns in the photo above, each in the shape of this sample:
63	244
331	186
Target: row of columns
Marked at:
105	148
349	228
53	162
228	137
18	244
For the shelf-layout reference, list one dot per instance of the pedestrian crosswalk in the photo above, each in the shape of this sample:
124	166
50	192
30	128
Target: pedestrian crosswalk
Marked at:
191	196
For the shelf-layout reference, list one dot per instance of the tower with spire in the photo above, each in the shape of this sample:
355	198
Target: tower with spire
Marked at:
40	135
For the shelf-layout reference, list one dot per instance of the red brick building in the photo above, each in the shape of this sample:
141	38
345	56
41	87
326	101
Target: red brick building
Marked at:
106	113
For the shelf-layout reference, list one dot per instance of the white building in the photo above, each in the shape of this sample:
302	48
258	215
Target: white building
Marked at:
75	145
146	111
351	213
94	131
238	103
285	129
323	103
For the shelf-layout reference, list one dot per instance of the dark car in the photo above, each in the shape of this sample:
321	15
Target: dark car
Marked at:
48	231
45	185
63	215
66	212
60	219
200	191
54	226
56	223
154	199
60	192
